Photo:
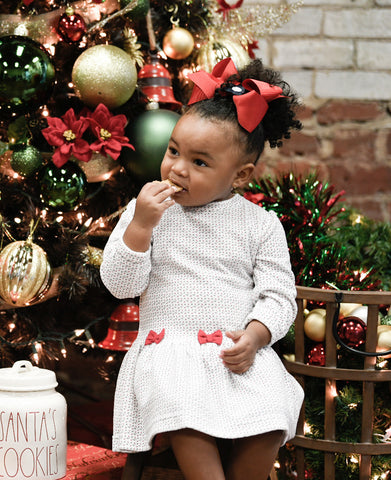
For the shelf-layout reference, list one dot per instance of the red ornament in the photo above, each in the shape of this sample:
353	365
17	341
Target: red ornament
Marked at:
155	83
123	327
71	26
317	355
352	331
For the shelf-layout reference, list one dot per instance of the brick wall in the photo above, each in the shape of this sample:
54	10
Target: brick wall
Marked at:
337	55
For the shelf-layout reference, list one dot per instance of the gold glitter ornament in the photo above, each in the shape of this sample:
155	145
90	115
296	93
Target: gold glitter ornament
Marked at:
25	273
99	168
178	43
219	48
104	74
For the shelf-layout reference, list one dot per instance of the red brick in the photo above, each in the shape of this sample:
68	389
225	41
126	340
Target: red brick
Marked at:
300	144
301	167
369	208
362	179
304	112
342	111
358	145
389	143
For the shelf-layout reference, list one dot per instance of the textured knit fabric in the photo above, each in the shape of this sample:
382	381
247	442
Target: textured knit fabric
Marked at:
209	268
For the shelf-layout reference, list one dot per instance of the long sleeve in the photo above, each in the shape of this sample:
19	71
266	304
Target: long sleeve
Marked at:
124	272
274	284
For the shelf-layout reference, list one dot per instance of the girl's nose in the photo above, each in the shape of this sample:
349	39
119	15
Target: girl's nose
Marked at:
179	167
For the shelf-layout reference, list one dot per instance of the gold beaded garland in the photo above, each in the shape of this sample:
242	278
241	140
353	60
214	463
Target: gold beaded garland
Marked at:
25	273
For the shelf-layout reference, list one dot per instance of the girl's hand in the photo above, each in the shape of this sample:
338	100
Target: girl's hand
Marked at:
152	201
240	357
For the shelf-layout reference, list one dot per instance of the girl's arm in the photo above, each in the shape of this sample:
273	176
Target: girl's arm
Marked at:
126	261
275	306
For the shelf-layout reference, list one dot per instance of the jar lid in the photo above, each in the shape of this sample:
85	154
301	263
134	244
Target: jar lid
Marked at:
24	377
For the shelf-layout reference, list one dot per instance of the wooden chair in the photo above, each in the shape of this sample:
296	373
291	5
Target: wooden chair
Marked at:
330	373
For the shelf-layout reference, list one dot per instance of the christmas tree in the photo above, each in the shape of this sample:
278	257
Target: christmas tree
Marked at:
89	94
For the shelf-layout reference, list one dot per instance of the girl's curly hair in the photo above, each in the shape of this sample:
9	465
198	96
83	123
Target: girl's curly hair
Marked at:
278	121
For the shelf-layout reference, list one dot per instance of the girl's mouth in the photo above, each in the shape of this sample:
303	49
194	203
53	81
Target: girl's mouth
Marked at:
175	186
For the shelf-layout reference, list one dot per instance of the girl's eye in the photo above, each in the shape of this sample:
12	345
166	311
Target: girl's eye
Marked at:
173	150
200	163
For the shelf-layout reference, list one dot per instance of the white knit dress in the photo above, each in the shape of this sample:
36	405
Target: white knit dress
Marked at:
211	268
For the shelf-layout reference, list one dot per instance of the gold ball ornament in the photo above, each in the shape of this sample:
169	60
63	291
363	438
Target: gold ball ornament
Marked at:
104	74
25	273
219	48
178	43
361	312
346	309
315	325
383	338
99	168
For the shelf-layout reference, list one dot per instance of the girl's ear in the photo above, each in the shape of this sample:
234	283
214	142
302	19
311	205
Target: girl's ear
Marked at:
243	175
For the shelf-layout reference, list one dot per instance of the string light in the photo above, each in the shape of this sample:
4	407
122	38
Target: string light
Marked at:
37	344
45	111
36	348
63	349
307	429
333	391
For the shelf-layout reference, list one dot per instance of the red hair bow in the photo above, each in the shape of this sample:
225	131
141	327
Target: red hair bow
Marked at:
251	106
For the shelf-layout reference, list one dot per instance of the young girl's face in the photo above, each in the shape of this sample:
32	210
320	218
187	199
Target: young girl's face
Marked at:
204	159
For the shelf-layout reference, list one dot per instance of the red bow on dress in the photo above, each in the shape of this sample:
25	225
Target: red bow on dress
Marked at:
154	337
216	337
251	106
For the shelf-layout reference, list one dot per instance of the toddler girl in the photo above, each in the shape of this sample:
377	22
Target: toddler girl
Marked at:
216	289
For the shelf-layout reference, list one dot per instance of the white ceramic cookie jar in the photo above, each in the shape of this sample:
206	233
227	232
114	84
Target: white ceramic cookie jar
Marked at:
33	425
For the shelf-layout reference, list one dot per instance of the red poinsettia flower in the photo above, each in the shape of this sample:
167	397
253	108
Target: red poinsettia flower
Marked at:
66	134
109	131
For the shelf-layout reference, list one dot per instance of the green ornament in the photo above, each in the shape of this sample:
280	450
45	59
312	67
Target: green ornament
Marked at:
139	11
62	188
26	160
149	134
26	75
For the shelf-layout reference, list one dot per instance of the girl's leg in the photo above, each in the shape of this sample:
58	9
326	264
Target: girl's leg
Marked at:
197	455
253	457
